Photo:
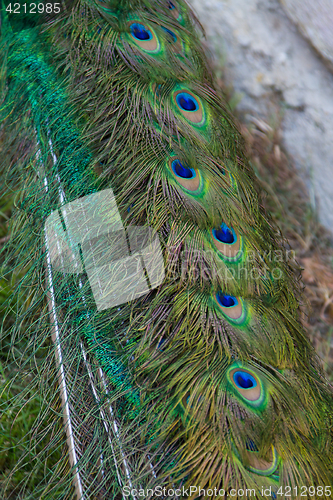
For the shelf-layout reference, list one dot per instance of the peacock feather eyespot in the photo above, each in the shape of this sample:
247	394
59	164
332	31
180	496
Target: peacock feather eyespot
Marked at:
172	6
186	176
190	106
227	241
233	308
144	36
267	466
250	445
171	34
263	467
246	384
174	41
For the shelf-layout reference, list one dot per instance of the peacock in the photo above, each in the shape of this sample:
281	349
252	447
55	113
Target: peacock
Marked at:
145	254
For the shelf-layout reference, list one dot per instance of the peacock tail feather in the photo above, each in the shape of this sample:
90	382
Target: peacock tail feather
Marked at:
147	257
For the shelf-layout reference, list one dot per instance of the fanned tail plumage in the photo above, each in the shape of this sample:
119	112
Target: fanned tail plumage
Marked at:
172	301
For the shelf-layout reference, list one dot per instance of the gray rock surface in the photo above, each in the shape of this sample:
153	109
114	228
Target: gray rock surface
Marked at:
315	20
275	69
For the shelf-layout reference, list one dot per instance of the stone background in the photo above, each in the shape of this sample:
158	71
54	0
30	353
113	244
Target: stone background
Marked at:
278	56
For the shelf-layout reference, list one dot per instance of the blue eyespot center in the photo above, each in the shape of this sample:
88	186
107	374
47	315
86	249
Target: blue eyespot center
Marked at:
140	32
187	102
182	170
244	380
224	234
226	300
171	6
